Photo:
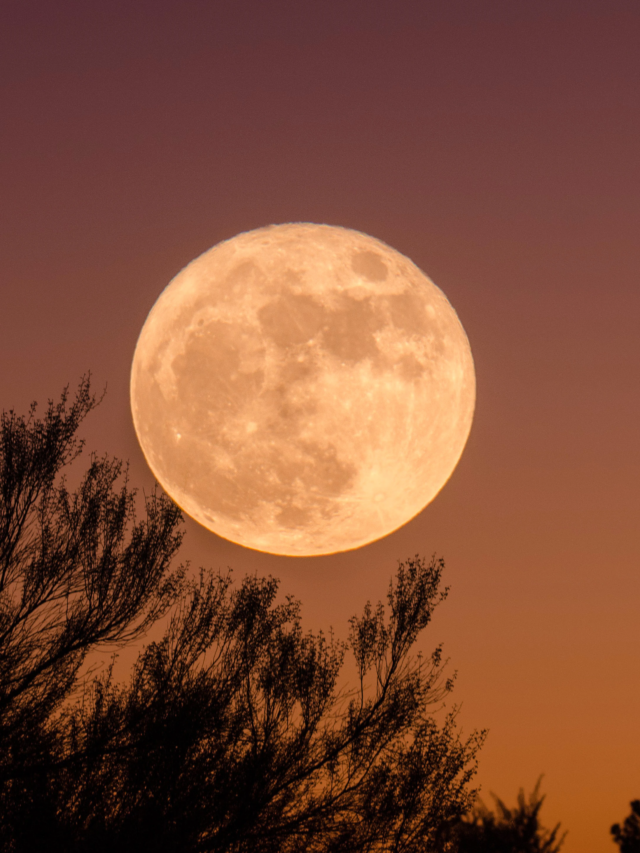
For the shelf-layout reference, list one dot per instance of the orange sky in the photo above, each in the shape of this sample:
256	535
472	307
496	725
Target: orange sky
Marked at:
493	143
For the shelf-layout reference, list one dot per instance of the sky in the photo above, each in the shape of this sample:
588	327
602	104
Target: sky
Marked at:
496	145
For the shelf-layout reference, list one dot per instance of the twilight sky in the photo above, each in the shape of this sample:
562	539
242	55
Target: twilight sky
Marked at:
495	144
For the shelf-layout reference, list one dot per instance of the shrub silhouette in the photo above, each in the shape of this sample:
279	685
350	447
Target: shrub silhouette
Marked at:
232	733
507	830
627	836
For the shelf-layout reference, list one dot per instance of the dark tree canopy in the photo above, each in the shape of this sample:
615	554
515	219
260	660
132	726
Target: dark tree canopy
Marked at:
77	570
627	836
507	830
233	732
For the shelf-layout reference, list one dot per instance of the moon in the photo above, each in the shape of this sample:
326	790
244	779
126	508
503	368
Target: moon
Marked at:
302	389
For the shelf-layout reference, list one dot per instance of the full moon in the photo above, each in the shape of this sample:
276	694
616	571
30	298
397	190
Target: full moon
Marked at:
302	389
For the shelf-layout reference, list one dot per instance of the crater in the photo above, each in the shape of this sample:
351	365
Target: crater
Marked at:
369	265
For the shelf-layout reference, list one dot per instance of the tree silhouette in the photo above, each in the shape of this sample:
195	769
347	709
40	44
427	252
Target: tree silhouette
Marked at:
507	830
77	571
233	732
627	836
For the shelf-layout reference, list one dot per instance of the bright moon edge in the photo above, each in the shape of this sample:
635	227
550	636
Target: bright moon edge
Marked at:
302	389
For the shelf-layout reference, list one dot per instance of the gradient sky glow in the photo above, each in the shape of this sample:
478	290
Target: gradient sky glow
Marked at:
495	144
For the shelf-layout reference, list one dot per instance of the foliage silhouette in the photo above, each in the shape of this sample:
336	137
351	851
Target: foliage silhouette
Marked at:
77	571
232	733
627	836
507	830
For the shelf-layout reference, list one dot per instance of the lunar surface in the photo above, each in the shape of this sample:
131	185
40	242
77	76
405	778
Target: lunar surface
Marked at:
302	389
